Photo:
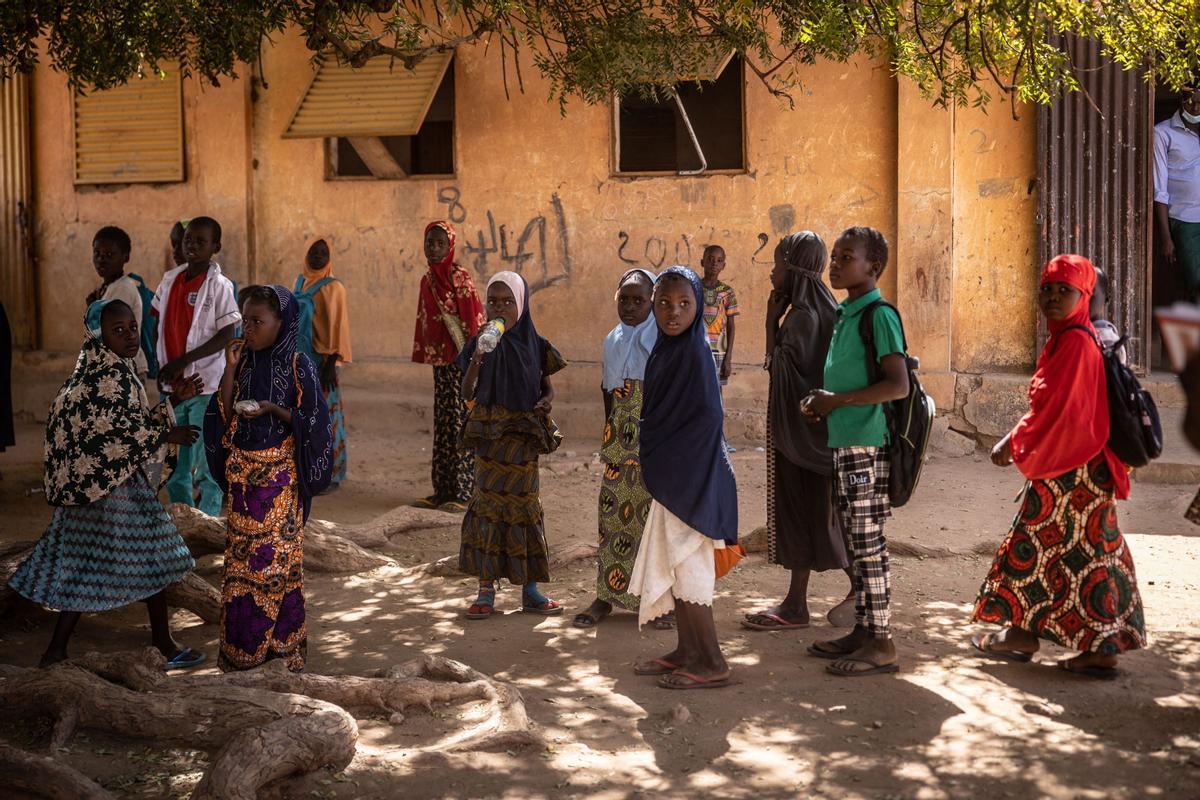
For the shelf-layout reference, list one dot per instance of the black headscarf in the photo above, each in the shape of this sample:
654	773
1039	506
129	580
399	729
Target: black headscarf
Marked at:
684	463
801	346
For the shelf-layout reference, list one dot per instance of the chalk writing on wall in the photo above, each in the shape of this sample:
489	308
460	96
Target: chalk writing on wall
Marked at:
525	249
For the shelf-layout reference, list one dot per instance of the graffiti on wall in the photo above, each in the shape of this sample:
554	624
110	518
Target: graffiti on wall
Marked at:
657	250
539	249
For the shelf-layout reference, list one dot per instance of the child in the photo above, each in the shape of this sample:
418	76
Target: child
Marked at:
110	542
624	501
176	237
197	314
1064	573
329	336
110	253
267	438
720	311
1108	333
851	402
509	426
804	532
693	511
448	315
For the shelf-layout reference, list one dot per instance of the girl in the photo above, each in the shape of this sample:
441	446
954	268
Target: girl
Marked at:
1064	573
624	501
110	541
330	339
448	315
687	472
804	532
503	533
270	446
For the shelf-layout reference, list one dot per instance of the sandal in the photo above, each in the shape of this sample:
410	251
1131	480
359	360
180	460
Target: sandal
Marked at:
185	659
872	669
534	602
453	506
985	643
814	649
770	621
484	605
1091	671
432	501
664	623
589	618
672	681
655	666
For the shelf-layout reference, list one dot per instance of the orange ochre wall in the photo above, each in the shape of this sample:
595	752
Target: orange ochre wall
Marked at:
534	189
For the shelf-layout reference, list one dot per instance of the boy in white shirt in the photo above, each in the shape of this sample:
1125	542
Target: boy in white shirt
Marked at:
197	314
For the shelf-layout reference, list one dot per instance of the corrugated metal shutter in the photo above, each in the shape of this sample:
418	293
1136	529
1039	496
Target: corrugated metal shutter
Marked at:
1095	184
381	98
132	133
18	287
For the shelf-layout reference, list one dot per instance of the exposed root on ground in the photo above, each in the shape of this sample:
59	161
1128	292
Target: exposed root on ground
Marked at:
260	726
45	776
560	557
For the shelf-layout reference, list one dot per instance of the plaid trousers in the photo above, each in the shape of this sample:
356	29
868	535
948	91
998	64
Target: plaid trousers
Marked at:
861	491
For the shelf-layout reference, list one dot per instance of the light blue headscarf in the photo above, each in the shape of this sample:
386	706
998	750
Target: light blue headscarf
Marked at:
91	319
627	347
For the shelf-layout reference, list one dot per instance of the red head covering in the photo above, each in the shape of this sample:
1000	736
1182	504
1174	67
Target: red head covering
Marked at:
1067	423
448	300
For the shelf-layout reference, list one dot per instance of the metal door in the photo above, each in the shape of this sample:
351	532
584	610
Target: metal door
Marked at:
18	289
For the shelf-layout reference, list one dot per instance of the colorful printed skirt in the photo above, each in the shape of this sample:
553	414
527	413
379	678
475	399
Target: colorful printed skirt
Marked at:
262	595
337	421
453	466
1064	573
624	500
104	555
503	532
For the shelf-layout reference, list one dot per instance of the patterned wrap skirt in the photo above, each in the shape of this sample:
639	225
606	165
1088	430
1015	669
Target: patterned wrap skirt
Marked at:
337	421
104	555
453	465
504	532
624	500
262	595
1065	573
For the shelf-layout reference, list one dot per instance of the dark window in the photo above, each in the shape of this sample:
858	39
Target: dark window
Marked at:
430	152
652	136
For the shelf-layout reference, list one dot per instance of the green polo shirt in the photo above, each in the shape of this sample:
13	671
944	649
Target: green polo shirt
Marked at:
846	371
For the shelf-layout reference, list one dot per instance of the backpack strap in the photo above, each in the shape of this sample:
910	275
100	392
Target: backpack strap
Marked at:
316	287
866	331
299	284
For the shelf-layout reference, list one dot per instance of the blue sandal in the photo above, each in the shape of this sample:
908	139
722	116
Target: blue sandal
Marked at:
534	602
186	659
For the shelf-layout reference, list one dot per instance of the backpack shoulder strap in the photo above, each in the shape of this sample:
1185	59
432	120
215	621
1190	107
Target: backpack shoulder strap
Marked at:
321	284
299	284
137	279
866	330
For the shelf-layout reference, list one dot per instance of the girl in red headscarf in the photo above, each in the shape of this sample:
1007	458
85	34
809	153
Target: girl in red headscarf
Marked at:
1064	573
448	315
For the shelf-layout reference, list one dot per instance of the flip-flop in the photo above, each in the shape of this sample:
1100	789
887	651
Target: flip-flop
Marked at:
453	506
186	659
426	502
876	669
693	681
664	623
550	608
586	620
660	667
1099	673
983	643
831	655
781	624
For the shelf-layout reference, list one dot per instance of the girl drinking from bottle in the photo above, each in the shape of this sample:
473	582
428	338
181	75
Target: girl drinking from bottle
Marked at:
508	428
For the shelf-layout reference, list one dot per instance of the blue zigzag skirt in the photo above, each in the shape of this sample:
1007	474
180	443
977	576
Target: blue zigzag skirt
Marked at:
107	554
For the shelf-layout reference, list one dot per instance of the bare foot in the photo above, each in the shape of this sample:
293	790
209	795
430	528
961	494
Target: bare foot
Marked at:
842	646
876	656
598	610
664	665
772	616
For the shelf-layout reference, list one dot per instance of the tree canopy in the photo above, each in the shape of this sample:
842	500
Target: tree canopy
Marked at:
958	51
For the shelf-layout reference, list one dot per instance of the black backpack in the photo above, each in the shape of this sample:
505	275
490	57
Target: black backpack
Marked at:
909	419
1134	429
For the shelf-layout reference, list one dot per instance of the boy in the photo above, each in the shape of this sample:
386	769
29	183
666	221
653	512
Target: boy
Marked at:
1108	333
858	437
176	236
720	311
197	314
111	248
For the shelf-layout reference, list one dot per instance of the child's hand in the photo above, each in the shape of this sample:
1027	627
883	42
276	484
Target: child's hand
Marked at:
543	405
818	403
183	434
1002	453
233	351
264	407
192	387
726	368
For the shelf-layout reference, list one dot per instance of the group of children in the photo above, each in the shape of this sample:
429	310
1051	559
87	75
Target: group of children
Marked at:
668	513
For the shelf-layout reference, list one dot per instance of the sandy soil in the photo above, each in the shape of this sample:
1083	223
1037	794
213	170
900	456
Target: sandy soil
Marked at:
948	725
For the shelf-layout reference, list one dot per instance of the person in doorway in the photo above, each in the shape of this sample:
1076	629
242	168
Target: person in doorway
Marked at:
852	402
1177	189
269	444
111	249
804	530
110	542
624	501
509	427
449	314
327	339
1064	573
197	316
693	511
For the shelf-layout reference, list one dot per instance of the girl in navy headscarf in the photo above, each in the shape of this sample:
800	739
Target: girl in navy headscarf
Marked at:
270	447
693	513
509	426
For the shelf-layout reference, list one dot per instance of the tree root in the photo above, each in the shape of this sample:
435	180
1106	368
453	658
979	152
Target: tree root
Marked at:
262	725
559	557
43	776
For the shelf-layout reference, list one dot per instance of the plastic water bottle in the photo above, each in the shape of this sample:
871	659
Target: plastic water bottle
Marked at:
489	337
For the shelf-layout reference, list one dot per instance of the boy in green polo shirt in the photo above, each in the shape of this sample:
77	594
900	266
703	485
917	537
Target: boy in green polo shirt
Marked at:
852	401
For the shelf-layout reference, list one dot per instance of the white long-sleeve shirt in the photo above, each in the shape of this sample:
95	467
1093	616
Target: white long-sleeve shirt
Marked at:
1177	169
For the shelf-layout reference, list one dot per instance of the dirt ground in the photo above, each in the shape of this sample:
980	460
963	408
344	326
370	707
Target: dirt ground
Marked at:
949	725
